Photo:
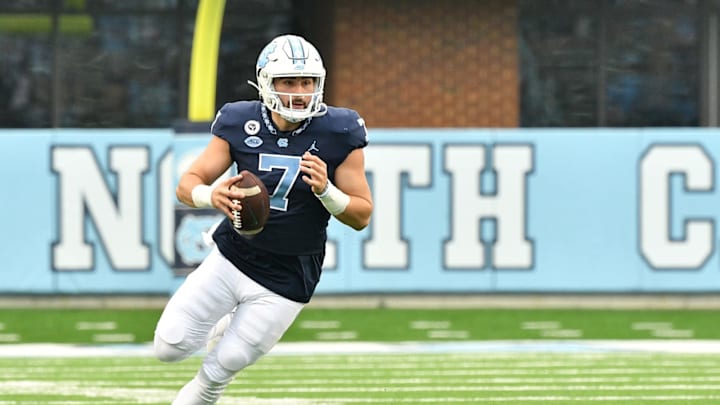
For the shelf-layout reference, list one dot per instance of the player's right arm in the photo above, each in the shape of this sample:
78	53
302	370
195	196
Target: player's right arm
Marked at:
194	188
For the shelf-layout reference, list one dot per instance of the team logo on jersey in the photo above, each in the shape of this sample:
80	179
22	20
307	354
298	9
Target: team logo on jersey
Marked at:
252	127
282	142
253	141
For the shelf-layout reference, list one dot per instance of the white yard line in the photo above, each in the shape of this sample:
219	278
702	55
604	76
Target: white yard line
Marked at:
540	372
301	348
107	395
155	395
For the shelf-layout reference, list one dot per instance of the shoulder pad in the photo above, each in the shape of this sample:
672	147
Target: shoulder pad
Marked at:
344	119
233	114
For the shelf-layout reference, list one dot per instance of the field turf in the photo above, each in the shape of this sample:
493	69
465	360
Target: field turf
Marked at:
416	356
384	325
418	378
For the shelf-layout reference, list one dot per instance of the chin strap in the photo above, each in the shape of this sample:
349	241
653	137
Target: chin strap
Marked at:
322	110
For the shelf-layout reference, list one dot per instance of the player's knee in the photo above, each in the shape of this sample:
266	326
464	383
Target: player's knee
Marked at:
166	343
167	352
238	356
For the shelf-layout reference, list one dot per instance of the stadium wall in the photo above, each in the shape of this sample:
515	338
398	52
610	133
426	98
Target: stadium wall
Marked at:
423	63
456	211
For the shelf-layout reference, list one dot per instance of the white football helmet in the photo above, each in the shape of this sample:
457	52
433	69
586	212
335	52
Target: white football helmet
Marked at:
290	56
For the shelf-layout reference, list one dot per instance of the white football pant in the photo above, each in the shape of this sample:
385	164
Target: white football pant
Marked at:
213	290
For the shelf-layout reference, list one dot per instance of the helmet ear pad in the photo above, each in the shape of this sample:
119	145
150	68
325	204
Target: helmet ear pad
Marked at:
270	98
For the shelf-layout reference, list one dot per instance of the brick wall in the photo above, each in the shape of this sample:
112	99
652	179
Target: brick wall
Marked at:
425	63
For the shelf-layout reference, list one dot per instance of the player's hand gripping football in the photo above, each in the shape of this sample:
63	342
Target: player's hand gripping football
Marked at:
315	172
227	199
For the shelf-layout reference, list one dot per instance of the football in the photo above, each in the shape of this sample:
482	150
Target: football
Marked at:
255	206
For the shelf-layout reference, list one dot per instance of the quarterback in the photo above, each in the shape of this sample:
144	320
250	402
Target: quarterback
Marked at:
247	292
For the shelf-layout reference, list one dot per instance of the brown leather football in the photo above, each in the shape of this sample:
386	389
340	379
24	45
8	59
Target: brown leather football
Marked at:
251	219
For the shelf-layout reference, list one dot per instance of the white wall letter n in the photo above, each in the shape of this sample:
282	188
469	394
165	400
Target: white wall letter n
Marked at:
83	192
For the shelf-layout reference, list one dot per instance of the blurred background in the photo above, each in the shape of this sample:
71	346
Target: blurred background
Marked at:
516	146
402	63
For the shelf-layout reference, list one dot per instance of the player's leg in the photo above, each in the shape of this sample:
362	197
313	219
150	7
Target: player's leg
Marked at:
257	325
217	331
205	296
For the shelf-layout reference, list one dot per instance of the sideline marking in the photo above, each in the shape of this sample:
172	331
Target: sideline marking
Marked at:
448	334
540	325
113	338
9	337
651	325
663	329
561	333
344	335
319	324
674	333
430	325
83	325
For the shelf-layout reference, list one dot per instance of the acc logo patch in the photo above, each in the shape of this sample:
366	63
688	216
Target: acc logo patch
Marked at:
252	127
253	141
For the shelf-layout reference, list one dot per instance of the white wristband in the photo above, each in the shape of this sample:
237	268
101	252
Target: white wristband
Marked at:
334	200
202	196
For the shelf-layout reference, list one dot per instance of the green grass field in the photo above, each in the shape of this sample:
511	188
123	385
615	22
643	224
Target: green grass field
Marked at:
384	325
430	378
414	357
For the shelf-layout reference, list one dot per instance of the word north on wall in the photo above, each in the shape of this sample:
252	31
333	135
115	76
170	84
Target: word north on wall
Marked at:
465	210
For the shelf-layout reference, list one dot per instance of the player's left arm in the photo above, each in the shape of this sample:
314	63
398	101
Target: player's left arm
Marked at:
349	194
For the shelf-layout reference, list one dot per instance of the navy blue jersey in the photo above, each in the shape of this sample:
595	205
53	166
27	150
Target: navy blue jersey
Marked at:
287	255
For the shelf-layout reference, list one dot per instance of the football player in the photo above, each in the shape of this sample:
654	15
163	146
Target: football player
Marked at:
310	156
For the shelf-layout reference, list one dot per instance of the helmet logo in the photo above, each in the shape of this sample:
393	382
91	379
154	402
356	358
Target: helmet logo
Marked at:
265	54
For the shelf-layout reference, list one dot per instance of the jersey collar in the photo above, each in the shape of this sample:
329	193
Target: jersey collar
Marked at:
269	125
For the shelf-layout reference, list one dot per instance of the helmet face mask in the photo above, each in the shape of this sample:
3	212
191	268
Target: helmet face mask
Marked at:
290	56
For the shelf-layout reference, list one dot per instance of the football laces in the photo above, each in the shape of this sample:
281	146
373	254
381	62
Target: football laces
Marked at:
237	218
